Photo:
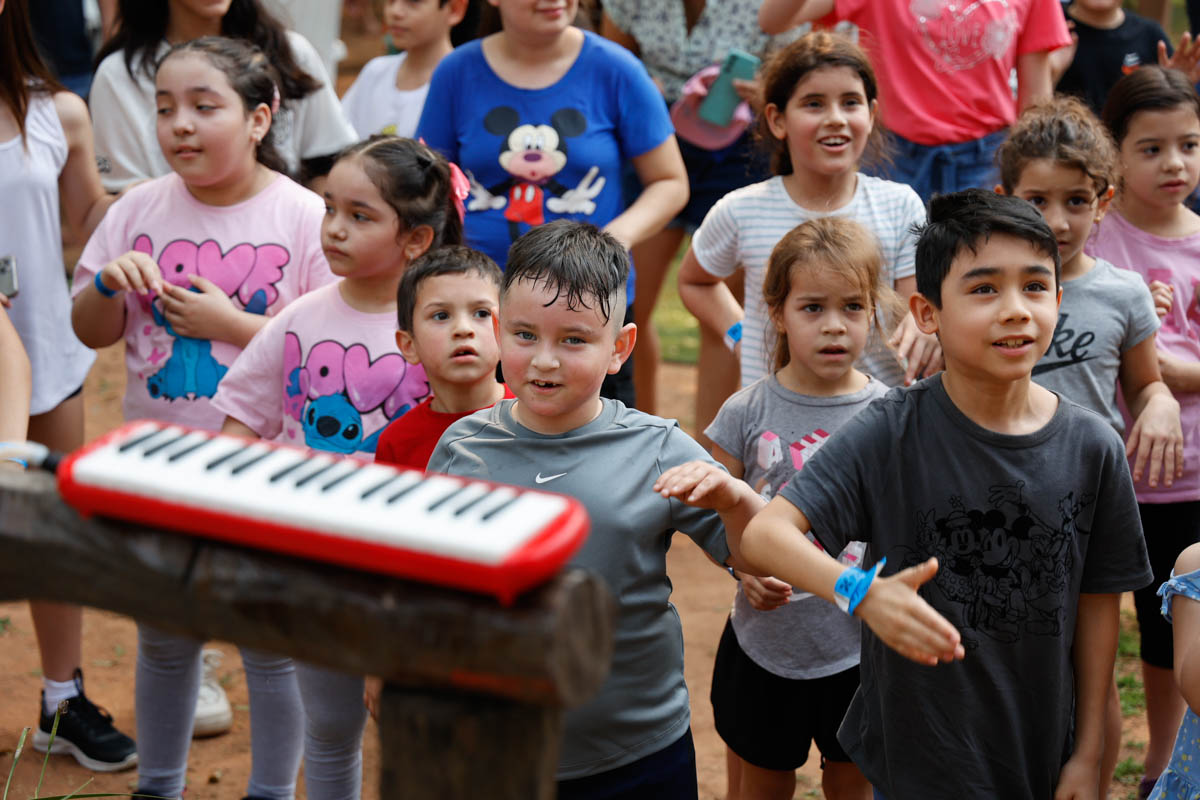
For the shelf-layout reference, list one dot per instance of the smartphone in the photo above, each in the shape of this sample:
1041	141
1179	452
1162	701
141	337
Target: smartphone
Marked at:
722	99
8	276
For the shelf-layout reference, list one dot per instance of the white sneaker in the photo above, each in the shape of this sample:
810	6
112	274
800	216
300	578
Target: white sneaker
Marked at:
213	714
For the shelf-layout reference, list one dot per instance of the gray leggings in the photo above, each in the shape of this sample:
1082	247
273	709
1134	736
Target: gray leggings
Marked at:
168	678
334	721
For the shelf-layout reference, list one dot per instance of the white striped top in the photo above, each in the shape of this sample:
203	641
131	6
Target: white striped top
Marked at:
743	228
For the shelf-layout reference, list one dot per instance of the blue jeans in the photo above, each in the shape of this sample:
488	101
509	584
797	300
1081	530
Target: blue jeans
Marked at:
944	168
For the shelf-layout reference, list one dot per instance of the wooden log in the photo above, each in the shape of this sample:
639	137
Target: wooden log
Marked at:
551	648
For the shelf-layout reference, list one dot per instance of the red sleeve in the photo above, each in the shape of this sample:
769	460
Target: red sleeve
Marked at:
1044	28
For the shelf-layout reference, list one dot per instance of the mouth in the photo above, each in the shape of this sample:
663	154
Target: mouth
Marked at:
833	351
333	252
185	151
544	386
1013	344
463	353
1174	186
834	142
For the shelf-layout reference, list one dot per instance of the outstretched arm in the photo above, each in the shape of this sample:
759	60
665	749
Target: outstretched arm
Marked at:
778	16
705	485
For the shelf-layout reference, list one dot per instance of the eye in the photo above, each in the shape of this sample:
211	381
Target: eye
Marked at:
1150	150
205	107
573	340
350	431
1036	200
812	308
525	336
1079	202
483	313
164	110
439	316
328	210
1189	146
360	217
986	288
854	307
1036	286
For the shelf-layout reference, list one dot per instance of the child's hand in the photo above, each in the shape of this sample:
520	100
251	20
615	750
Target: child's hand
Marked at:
1078	780
1157	440
1186	58
1164	297
921	353
205	314
765	594
905	622
372	688
701	484
135	271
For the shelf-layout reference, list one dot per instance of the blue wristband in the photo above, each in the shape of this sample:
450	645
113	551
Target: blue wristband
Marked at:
24	464
102	289
852	586
733	335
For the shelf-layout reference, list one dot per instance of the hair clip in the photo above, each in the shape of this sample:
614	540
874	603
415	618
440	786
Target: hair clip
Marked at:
274	99
460	187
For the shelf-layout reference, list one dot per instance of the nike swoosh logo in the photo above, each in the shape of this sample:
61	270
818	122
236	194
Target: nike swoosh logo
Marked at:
1044	368
539	479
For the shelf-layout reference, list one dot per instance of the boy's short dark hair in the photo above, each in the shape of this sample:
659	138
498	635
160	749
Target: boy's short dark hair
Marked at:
573	258
454	259
963	219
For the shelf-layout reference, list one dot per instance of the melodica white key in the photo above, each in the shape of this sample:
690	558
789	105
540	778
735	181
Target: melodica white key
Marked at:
467	534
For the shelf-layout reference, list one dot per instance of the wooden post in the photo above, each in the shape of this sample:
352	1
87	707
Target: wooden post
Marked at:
475	691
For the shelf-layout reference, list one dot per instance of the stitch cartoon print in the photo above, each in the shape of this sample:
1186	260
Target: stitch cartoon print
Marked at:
337	393
246	273
532	155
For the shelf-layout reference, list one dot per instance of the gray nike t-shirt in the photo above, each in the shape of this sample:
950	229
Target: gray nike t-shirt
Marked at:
1104	312
610	465
774	431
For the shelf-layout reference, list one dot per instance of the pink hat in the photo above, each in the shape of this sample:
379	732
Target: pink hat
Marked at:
700	132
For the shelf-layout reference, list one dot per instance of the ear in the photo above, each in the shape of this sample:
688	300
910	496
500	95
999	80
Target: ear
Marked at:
874	106
457	10
408	347
1103	201
622	347
1058	300
998	189
417	242
260	122
775	121
924	312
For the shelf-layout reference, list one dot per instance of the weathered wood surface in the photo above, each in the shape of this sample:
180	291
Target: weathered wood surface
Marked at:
552	648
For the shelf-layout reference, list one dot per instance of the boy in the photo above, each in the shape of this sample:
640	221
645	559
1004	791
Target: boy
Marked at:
561	310
1015	505
446	308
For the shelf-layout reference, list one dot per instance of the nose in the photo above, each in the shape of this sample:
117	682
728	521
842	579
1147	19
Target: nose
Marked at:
1056	219
462	326
328	426
533	157
1174	160
1015	308
836	115
833	323
182	123
544	359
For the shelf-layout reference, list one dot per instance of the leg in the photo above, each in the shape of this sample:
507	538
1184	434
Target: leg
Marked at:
1112	740
733	775
334	720
767	784
653	258
276	725
843	780
168	676
719	373
1164	712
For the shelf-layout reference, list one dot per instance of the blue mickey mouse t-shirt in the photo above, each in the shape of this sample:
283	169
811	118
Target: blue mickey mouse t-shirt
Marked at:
535	155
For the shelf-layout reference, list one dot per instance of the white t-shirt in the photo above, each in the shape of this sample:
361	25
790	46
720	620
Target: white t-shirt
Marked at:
263	252
123	115
373	104
31	234
744	226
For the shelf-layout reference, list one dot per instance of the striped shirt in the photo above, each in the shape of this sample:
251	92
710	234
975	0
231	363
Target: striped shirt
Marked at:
743	228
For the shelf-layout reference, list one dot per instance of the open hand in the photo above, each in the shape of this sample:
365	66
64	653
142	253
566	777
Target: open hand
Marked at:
134	271
919	352
905	622
699	483
1186	58
579	199
1157	440
203	314
764	594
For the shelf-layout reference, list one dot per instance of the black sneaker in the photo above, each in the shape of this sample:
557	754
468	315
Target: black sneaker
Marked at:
86	732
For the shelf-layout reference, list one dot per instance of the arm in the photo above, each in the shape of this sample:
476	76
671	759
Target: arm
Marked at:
705	485
233	427
83	197
100	321
774	542
921	352
1033	79
16	383
1179	375
1060	59
707	296
1094	654
1186	622
610	31
664	194
778	16
1156	436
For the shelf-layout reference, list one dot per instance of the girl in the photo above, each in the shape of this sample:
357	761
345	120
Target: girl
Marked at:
819	119
46	155
1060	158
186	268
787	665
543	115
1177	782
1153	115
310	125
327	373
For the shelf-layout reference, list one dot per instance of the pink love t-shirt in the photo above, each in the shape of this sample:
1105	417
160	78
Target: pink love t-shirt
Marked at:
263	253
323	375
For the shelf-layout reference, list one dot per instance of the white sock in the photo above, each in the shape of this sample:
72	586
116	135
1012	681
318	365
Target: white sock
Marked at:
56	692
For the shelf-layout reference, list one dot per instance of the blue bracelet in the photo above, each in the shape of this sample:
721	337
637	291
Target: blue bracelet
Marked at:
24	464
733	335
852	586
102	289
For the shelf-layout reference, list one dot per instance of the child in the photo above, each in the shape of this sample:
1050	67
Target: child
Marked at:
1177	781
46	157
1153	115
389	92
819	118
446	306
186	268
787	664
326	373
1014	504
561	332
1060	158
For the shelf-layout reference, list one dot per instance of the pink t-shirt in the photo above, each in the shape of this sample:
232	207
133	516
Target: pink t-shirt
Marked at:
944	65
1175	262
263	252
323	374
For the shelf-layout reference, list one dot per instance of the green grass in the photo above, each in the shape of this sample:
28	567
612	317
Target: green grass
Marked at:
1132	694
1129	770
678	330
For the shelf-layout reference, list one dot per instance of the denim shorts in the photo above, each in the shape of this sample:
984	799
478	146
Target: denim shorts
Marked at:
944	168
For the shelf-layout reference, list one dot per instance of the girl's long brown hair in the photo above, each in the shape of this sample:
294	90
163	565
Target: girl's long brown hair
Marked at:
22	71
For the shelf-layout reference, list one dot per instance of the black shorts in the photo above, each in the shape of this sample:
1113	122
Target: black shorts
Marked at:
669	774
770	721
1169	528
